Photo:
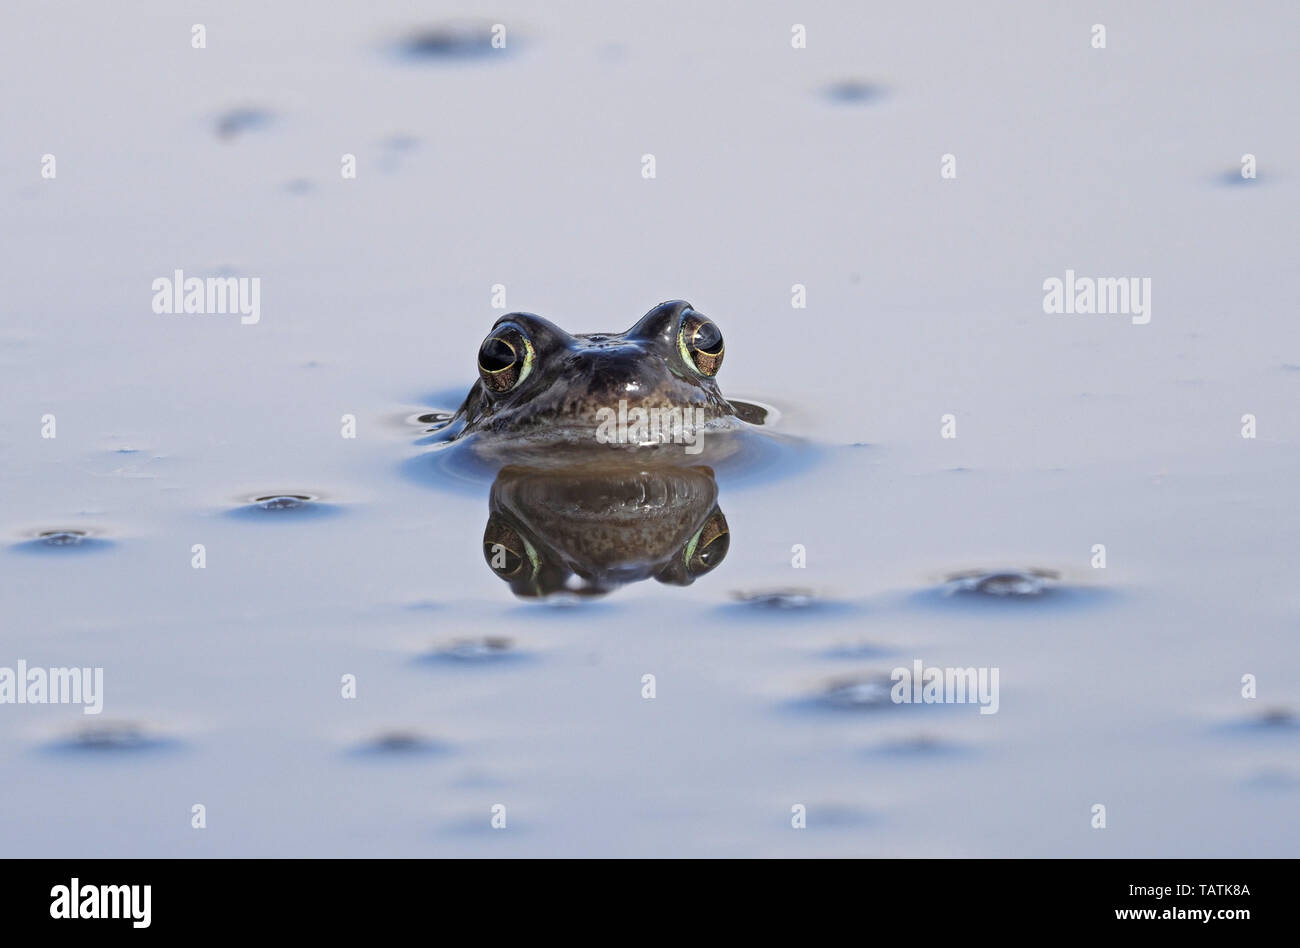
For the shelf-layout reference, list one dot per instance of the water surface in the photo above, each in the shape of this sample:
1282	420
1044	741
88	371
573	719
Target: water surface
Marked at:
775	167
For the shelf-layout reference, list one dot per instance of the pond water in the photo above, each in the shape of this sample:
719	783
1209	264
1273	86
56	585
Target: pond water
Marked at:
327	556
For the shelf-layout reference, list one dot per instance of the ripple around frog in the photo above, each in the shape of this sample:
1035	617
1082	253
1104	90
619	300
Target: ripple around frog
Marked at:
742	451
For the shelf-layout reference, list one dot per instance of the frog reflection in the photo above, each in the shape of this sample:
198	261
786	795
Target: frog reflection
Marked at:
587	531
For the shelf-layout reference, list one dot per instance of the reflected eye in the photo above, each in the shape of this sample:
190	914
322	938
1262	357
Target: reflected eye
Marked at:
505	359
709	546
700	341
504	550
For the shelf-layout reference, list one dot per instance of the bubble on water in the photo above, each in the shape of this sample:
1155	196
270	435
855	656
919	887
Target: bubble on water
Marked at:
853	92
1013	590
856	650
62	537
283	501
1232	178
113	737
787	598
1279	718
861	693
917	744
62	540
1275	720
283	505
452	42
922	746
401	142
490	648
399	742
235	122
110	735
785	603
1015	584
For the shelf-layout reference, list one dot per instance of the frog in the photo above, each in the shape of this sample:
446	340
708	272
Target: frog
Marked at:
655	384
604	451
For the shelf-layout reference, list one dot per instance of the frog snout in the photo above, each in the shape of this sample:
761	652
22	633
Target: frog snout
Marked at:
620	373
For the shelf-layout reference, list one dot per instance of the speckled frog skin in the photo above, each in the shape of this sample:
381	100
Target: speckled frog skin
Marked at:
540	384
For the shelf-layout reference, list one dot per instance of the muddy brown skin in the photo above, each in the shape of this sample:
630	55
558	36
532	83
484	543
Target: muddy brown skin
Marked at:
538	383
587	532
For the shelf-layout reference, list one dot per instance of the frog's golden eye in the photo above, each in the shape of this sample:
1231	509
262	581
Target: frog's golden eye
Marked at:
505	359
700	341
709	547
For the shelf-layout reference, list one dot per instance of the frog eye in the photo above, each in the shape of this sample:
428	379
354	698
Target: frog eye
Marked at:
709	547
700	342
505	551
505	359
